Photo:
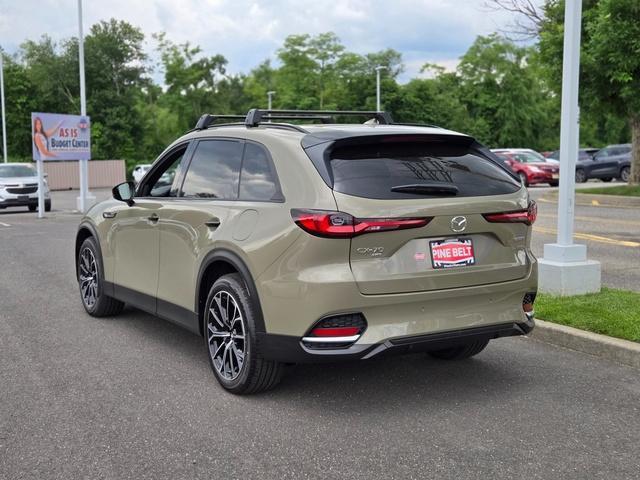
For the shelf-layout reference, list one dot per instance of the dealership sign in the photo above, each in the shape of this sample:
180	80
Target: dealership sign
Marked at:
60	137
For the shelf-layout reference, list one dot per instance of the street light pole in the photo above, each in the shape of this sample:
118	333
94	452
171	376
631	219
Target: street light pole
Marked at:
378	68
270	93
565	270
4	116
83	164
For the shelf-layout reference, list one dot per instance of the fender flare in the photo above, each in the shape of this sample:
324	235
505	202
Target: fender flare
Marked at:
87	225
222	254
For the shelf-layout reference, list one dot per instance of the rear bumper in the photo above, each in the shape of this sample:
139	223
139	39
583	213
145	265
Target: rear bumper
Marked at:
286	348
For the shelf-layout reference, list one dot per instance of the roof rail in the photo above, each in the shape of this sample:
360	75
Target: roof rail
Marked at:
255	116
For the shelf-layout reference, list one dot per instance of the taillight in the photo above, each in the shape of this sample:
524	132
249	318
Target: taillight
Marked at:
331	224
527	216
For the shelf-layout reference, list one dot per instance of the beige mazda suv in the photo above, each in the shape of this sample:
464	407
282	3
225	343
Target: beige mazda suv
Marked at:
316	241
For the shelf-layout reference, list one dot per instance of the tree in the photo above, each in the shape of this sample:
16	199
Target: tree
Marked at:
610	64
19	102
506	97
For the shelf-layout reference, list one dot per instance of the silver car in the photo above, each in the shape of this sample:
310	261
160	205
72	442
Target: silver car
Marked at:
19	187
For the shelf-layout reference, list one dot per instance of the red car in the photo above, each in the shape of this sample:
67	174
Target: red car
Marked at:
530	166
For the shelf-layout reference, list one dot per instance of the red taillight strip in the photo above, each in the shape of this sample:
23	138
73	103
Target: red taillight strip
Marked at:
527	216
331	224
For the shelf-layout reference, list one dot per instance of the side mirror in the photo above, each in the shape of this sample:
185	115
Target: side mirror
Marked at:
124	192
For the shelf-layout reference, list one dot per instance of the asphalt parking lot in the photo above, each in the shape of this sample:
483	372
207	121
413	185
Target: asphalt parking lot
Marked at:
133	396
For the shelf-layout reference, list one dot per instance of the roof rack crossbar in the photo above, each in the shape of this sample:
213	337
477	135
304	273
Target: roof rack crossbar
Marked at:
256	115
206	120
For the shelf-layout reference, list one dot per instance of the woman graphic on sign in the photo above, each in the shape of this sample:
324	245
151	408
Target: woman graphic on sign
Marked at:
41	138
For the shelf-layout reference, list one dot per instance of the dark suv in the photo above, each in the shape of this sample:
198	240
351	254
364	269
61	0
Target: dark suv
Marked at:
613	161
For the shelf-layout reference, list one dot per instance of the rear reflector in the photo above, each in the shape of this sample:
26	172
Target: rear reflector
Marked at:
330	224
527	216
337	331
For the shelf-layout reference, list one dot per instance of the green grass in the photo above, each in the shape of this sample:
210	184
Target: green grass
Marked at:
611	312
626	190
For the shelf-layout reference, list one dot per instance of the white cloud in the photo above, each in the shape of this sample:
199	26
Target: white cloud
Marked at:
248	31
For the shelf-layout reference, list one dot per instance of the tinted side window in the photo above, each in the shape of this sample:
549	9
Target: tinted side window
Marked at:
162	181
214	170
258	178
371	171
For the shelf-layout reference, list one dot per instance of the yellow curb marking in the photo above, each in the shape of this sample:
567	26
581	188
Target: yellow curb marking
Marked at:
587	236
595	203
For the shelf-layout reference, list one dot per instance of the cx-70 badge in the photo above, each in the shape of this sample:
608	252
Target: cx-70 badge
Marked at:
371	251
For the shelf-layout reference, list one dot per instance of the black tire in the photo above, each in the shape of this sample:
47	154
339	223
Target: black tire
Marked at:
625	173
460	352
254	374
554	184
103	305
523	179
581	177
606	179
32	208
47	206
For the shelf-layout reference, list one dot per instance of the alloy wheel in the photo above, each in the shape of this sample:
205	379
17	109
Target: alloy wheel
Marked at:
226	335
88	277
625	175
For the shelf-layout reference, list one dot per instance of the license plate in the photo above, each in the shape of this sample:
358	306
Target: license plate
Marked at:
23	197
453	252
555	176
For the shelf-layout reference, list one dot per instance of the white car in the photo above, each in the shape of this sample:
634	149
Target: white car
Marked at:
19	187
139	171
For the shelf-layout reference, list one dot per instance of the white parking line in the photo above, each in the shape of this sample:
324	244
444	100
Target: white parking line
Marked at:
2	224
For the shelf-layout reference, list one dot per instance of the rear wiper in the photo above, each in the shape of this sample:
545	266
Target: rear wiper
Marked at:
428	188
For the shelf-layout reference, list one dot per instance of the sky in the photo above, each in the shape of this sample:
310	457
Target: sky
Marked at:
248	32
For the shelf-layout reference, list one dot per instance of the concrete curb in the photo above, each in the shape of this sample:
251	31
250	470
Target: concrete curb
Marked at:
599	200
615	349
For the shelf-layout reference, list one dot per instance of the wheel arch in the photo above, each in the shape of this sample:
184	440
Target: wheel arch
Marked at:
217	263
86	230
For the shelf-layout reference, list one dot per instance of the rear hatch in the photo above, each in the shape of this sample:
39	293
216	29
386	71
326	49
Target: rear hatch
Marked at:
453	186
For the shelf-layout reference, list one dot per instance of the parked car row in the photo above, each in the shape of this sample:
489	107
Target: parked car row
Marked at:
613	161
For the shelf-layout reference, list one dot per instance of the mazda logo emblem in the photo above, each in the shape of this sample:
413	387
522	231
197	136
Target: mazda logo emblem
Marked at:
458	224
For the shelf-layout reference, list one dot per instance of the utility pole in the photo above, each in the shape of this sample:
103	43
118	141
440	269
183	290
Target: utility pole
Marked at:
565	270
4	115
378	68
85	195
270	94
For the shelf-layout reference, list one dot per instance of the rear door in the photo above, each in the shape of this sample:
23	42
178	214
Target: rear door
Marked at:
198	215
448	183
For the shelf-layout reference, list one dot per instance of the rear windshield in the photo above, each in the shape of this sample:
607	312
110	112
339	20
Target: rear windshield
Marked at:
376	170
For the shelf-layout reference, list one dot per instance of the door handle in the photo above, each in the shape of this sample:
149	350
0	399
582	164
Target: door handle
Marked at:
213	223
153	218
